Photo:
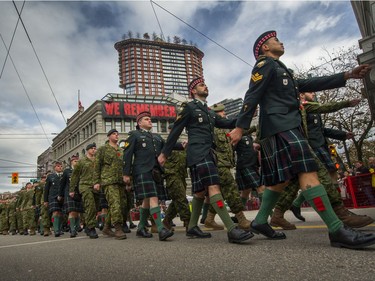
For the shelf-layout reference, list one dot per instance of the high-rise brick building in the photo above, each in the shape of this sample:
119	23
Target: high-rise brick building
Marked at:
157	68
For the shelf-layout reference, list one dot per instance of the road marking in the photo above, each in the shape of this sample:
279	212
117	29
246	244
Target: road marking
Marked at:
40	242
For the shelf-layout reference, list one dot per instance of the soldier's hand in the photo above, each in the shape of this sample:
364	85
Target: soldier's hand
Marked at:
162	159
184	144
358	72
45	204
256	146
235	135
349	135
354	102
97	186
126	180
71	194
59	198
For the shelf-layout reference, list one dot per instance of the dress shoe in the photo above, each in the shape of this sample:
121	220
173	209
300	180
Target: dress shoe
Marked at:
237	235
198	233
165	233
297	213
132	225
73	233
143	233
125	228
266	230
92	233
148	224
347	237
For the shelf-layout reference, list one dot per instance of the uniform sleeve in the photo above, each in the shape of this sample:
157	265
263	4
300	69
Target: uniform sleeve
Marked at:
128	154
74	180
63	182
314	107
98	165
316	84
334	134
180	123
46	189
260	78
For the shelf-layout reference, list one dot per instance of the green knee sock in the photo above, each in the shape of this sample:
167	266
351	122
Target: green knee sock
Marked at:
244	201
78	222
217	202
260	196
72	224
197	204
269	200
318	199
143	216
299	200
155	213
205	210
56	223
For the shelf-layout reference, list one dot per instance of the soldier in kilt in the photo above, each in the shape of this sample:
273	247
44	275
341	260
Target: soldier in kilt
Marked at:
247	166
285	152
73	206
82	177
142	148
317	134
175	171
199	122
52	198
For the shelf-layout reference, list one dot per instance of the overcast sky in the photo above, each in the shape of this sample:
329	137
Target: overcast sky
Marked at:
74	42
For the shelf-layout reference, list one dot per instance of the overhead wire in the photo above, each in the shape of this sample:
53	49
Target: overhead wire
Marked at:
157	19
40	63
11	41
27	94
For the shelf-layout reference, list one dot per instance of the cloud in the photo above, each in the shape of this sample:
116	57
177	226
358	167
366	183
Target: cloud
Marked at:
75	41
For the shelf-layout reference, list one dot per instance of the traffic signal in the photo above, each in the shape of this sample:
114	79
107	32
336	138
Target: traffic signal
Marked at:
14	178
332	150
337	166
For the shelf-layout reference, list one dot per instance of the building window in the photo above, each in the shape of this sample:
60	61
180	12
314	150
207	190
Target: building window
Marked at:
127	125
108	125
163	126
155	126
118	125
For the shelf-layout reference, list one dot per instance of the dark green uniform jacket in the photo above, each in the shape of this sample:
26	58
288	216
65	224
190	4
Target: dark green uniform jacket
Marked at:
273	87
199	122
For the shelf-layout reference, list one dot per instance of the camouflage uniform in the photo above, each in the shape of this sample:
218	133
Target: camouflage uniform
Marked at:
38	198
19	218
175	176
28	210
83	178
12	216
4	224
108	173
45	218
225	157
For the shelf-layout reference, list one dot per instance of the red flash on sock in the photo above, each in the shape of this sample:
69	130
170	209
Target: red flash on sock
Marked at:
220	203
155	216
318	202
52	219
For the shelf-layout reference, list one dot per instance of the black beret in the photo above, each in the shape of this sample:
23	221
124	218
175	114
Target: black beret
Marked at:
90	145
260	41
111	131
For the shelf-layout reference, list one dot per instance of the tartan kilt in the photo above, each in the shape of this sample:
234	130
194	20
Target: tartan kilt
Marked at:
71	205
103	204
54	205
204	174
324	156
247	178
285	155
146	187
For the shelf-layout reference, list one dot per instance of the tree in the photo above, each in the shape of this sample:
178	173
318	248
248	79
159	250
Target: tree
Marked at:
130	34
354	119
176	40
146	36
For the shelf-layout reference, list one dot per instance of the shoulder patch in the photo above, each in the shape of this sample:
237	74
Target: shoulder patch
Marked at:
260	64
256	77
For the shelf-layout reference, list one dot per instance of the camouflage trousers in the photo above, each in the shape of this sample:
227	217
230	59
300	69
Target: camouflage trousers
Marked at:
45	218
12	221
176	187
114	194
19	220
287	197
28	218
129	204
4	224
90	205
229	190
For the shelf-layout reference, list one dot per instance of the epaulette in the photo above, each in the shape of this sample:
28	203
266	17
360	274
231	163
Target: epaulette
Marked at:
261	61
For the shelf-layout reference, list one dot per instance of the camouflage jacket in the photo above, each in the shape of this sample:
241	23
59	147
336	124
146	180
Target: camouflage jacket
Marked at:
83	174
108	165
224	150
176	164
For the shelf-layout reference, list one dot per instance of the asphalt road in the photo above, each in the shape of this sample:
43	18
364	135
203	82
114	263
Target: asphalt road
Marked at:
305	255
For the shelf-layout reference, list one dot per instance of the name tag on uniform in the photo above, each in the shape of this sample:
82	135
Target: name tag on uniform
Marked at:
247	142
143	144
285	82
